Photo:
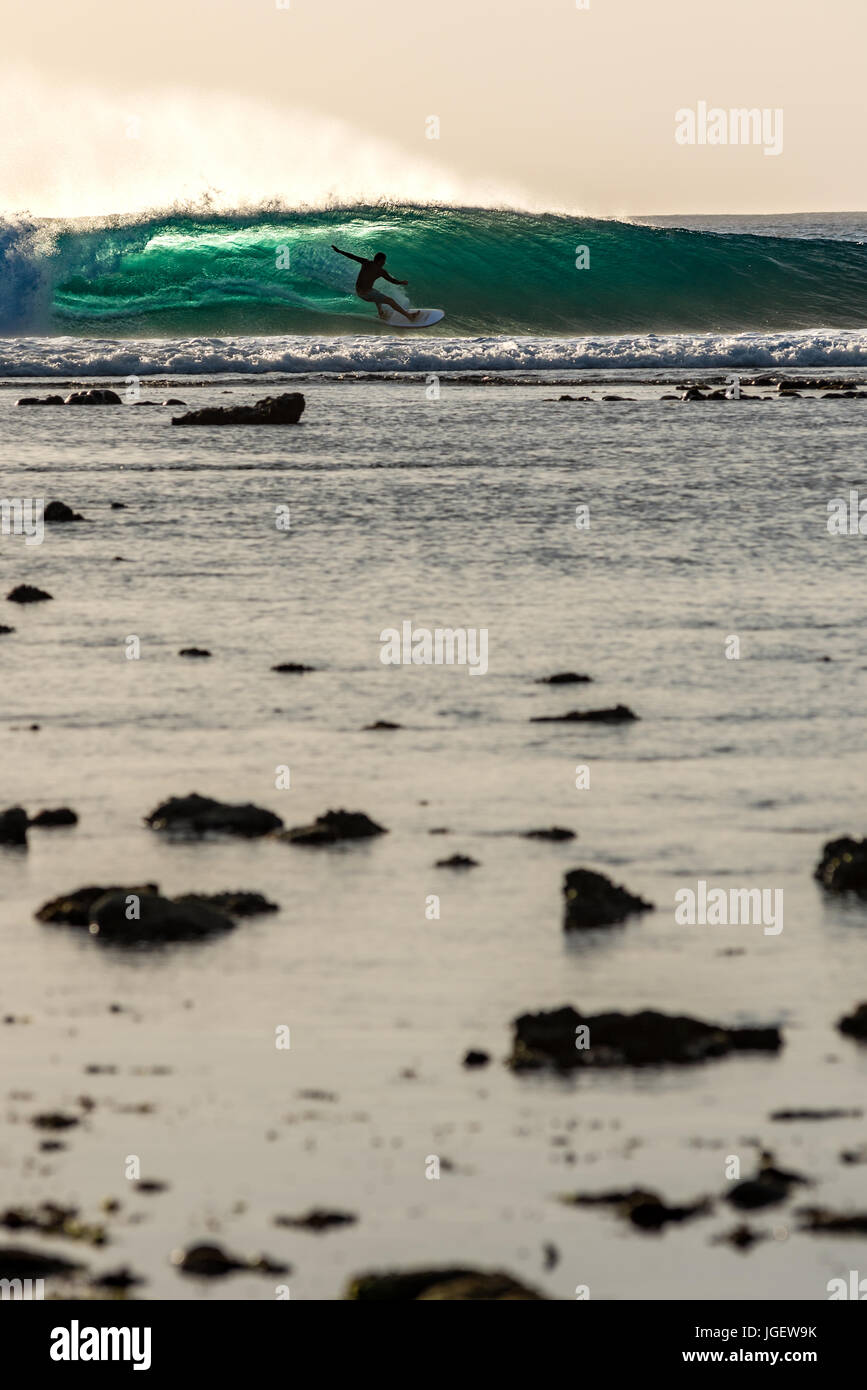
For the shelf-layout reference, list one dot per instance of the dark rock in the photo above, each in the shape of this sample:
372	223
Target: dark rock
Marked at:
438	1284
741	1237
122	1278
233	904
118	506
474	1058
821	1221
272	410
159	919
832	1114
692	393
617	714
13	826
73	909
635	1040
292	668
843	866
199	815
62	816
318	1220
564	678
592	900
853	1156
382	724
647	1210
556	833
173	400
767	1189
618	398
207	1260
333	826
4	630
50	1219
27	593
211	1261
457	861
855	1026
18	1263
151	1186
58	511
194	651
93	397
40	400
55	1120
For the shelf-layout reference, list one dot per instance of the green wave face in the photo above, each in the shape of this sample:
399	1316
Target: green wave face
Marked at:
493	272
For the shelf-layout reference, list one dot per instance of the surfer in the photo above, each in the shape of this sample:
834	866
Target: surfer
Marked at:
370	272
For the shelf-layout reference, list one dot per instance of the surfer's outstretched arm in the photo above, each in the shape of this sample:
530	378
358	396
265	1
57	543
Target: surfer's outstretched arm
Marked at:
385	276
349	256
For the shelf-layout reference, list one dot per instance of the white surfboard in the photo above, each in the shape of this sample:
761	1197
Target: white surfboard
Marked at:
425	318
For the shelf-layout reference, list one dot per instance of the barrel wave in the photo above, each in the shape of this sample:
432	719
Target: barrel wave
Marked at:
493	272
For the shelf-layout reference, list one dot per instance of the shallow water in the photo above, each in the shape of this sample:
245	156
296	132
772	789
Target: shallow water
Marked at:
705	523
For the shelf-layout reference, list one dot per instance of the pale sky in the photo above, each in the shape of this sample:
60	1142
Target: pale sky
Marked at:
118	107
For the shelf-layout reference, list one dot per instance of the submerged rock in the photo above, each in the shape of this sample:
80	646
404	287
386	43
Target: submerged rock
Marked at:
292	668
476	1058
855	1025
73	909
4	630
122	1278
551	1039
380	724
61	816
154	919
456	1285
271	410
834	1113
27	593
13	826
332	827
16	1262
843	866
647	1210
51	1219
592	900
194	651
199	815
564	678
40	400
556	833
457	861
236	904
740	1237
318	1220
58	511
615	714
94	396
212	1261
770	1186
821	1221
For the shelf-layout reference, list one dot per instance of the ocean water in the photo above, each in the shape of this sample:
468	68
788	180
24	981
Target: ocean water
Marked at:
434	480
706	522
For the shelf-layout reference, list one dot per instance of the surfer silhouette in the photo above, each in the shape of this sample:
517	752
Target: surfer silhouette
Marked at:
370	272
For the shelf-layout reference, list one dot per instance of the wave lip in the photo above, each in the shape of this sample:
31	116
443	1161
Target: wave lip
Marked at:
494	272
256	356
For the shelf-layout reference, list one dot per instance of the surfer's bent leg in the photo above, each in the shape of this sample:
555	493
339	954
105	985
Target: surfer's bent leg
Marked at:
407	313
